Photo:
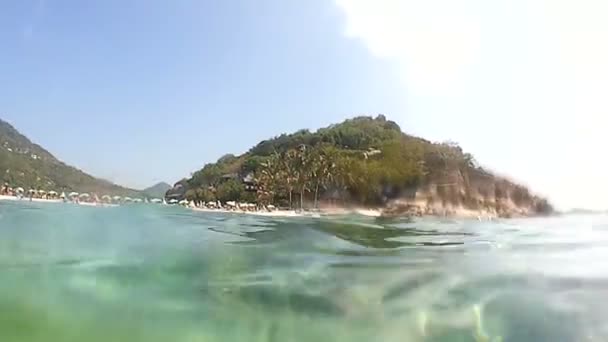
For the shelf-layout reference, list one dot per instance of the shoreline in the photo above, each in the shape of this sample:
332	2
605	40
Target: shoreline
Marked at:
365	212
400	211
276	213
295	213
54	201
27	199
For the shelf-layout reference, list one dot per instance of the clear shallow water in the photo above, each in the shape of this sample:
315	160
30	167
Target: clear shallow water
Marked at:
146	273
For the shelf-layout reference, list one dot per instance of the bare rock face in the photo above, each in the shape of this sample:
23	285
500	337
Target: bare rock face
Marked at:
476	197
400	209
178	191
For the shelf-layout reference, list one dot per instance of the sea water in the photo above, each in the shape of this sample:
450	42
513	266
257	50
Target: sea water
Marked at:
159	273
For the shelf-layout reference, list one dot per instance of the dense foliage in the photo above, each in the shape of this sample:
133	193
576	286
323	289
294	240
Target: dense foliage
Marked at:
356	134
25	164
363	160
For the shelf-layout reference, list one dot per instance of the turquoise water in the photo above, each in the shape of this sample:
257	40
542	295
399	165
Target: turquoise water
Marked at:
146	273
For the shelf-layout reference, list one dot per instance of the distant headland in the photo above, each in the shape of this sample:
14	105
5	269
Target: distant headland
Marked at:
364	162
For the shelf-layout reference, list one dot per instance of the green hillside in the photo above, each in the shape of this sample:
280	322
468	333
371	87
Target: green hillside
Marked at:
362	161
28	165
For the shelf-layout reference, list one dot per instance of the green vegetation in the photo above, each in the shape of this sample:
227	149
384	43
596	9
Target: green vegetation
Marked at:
25	164
365	161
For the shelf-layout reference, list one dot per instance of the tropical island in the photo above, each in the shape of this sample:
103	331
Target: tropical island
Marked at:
364	162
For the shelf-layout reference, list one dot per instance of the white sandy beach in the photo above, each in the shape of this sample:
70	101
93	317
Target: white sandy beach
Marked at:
56	201
276	213
326	211
333	211
27	199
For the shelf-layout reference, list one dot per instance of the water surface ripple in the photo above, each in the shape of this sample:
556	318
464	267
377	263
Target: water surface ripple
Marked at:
148	273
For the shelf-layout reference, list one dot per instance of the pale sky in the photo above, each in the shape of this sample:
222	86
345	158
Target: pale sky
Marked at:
139	92
521	84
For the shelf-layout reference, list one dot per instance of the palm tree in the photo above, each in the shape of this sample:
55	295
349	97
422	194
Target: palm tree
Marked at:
316	172
288	167
303	171
322	170
267	179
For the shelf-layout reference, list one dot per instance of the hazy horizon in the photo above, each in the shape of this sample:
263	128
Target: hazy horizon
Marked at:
139	93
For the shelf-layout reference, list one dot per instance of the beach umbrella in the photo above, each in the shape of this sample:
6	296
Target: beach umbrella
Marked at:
72	194
106	198
19	190
156	200
270	206
173	201
137	200
32	191
117	198
84	195
62	195
42	192
52	192
128	199
231	203
183	202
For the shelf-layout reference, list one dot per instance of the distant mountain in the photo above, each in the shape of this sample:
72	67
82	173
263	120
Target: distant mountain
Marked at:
158	190
28	165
